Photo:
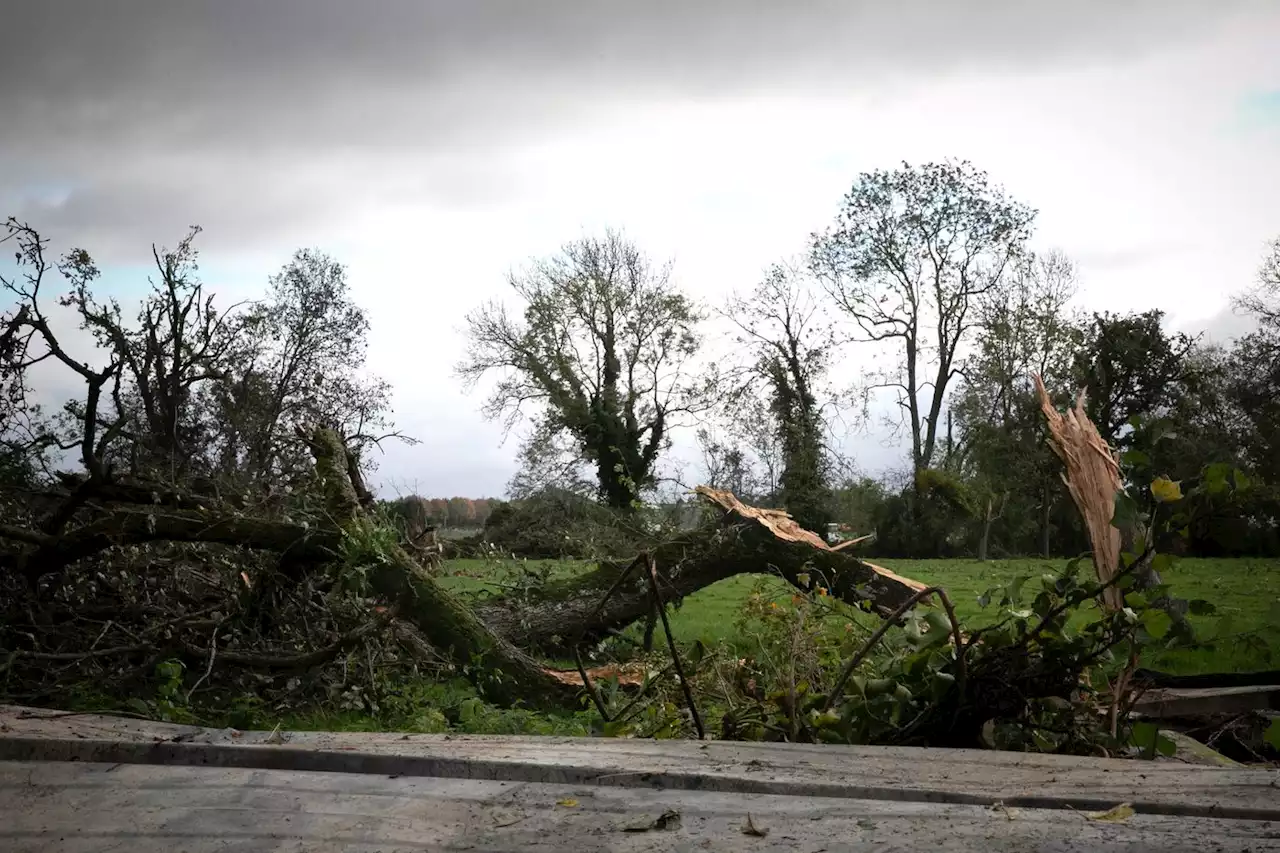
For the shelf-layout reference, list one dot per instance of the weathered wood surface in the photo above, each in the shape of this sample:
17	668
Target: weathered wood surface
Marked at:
975	777
75	808
1166	702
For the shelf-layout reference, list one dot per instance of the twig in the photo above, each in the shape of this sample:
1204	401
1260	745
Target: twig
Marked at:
591	688
101	634
307	659
962	666
75	656
577	646
624	714
1068	603
671	642
626	573
213	652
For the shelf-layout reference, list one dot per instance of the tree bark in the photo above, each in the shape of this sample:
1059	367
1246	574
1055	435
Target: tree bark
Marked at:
1045	521
986	534
500	671
136	527
481	641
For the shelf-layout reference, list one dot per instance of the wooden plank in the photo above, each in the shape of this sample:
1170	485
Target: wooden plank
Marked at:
880	773
1163	703
71	807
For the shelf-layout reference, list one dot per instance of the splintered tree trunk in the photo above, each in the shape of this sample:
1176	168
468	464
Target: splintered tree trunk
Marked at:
1092	474
502	672
747	540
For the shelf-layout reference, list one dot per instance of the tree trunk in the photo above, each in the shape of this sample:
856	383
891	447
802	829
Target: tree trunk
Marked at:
748	539
1044	527
986	533
500	671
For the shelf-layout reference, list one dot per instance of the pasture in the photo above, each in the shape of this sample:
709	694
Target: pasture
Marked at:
1244	627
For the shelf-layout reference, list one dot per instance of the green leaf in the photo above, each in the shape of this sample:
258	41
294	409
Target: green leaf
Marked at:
1157	623
1166	746
1143	734
1272	734
1200	607
1161	563
940	683
139	706
1014	589
1215	478
1126	511
939	627
1273	614
1135	457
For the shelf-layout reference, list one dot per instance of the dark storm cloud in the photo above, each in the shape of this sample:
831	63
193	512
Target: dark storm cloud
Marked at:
256	115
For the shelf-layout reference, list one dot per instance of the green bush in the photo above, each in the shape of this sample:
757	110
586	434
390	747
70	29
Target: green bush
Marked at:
556	524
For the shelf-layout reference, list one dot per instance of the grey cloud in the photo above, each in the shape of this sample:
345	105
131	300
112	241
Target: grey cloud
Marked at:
1223	327
258	119
1120	259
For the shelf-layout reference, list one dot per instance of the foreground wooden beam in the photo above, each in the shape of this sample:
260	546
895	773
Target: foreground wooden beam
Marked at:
77	782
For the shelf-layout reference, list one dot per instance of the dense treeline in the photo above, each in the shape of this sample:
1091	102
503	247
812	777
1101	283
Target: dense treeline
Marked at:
455	512
928	279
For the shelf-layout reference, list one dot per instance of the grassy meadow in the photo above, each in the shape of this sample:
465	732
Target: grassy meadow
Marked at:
1244	592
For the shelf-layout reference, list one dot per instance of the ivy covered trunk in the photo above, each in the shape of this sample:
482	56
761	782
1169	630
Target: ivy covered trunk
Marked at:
502	672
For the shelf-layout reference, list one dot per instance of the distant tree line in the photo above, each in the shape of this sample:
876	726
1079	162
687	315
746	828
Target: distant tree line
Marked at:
444	512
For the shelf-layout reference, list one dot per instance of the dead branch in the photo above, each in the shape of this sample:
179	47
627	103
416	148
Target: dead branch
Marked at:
671	644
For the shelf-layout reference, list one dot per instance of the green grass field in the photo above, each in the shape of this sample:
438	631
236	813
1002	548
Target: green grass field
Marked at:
1245	593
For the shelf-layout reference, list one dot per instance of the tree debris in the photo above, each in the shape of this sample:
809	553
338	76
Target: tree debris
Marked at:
1092	477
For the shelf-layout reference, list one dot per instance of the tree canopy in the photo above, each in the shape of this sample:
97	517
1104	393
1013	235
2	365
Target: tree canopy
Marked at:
602	351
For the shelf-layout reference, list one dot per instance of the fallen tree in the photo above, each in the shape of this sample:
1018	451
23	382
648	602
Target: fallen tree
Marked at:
743	539
501	671
481	640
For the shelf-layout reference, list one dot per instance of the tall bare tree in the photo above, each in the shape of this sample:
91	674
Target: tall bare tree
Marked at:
911	253
602	353
1263	301
179	342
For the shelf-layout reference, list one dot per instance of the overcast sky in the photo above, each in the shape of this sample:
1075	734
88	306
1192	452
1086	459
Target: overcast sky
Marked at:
432	146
